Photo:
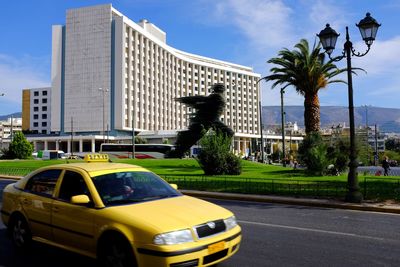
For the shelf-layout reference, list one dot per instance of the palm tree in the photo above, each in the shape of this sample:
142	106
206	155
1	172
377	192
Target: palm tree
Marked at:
307	71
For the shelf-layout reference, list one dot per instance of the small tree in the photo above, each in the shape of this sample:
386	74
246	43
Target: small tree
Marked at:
313	154
215	156
20	148
140	140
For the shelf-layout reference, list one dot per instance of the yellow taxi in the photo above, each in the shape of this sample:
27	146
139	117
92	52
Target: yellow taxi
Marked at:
121	214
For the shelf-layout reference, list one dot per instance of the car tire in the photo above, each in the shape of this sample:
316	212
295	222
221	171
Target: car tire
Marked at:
20	232
115	251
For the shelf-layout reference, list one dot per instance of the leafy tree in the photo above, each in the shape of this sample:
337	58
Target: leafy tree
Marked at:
140	140
338	154
20	148
392	144
313	154
215	156
308	72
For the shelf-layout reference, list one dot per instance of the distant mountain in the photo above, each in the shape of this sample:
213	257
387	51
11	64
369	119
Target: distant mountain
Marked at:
387	119
15	115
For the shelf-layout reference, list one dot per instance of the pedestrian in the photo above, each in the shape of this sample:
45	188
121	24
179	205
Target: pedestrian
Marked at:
386	166
295	164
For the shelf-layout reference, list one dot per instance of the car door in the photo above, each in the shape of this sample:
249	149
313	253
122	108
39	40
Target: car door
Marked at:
37	200
72	223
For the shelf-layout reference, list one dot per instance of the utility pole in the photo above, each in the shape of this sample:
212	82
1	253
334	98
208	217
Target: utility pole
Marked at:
261	132
376	157
133	137
72	136
11	130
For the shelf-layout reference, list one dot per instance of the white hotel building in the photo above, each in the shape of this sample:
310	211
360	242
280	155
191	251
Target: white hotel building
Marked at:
110	73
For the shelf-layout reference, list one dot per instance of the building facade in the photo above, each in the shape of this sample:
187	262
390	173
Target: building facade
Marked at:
111	75
7	130
36	110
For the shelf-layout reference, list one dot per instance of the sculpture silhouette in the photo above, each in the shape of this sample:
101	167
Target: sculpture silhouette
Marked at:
208	110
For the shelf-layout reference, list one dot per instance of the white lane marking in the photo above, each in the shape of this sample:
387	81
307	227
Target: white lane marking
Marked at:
310	230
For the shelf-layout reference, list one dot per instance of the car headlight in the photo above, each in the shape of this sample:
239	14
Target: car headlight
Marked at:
173	238
230	222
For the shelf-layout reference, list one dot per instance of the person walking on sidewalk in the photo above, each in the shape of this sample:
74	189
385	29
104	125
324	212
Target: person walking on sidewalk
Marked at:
386	166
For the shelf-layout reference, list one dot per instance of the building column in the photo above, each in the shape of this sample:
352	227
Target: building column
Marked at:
57	144
80	145
93	145
244	146
69	146
46	145
35	146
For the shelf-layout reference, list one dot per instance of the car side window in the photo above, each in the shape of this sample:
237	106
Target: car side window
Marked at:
43	183
72	184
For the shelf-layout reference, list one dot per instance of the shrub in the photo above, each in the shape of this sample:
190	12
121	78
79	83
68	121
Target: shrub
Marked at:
215	157
313	154
20	148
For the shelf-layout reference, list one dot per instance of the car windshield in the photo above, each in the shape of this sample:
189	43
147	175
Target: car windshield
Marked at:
132	187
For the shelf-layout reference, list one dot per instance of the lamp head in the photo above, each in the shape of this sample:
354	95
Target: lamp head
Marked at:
368	28
328	38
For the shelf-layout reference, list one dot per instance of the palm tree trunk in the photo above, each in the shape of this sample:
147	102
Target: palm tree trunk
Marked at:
311	113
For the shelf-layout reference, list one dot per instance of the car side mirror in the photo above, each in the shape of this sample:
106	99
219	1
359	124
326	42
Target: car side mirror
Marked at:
174	186
80	199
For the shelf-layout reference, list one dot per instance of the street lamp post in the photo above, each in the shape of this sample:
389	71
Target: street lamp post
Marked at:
104	93
283	130
368	28
367	132
1	137
261	123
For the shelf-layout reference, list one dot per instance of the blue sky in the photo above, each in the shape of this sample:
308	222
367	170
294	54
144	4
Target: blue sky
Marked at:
246	32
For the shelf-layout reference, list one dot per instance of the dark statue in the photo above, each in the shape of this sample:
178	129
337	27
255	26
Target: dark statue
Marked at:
208	111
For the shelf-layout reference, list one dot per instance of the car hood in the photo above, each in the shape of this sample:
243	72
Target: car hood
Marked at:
170	214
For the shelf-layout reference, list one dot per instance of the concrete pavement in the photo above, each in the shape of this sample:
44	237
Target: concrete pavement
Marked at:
385	206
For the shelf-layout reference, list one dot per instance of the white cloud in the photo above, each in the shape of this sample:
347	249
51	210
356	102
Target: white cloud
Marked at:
324	11
266	23
382	58
17	74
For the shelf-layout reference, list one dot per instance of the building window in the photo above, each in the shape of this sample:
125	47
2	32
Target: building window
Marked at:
44	100
36	116
35	101
44	108
35	124
36	109
44	124
36	93
44	93
44	116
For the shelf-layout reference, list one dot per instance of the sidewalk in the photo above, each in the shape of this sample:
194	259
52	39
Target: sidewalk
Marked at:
387	206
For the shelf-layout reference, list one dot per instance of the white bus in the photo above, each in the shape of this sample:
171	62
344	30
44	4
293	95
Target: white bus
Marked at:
142	151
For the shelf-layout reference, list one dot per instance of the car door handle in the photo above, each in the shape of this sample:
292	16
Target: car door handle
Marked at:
26	201
56	209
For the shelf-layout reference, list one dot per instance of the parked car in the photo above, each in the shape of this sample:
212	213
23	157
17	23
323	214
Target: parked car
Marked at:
50	154
121	214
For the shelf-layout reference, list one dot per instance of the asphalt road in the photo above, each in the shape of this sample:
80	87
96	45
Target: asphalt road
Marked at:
273	235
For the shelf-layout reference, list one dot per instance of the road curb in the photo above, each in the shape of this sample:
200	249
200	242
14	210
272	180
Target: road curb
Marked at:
294	201
10	177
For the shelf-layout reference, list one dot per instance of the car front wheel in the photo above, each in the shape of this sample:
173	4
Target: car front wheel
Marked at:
21	235
116	252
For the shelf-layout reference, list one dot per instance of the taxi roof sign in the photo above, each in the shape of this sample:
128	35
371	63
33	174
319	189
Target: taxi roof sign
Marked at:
96	158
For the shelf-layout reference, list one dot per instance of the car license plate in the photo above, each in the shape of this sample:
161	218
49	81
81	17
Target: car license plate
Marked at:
216	247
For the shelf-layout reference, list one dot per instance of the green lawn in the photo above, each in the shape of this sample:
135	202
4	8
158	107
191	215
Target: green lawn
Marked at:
256	178
187	167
